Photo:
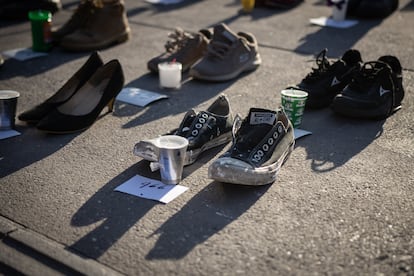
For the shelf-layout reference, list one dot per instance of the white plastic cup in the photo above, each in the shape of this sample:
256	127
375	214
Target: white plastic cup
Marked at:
170	74
293	102
171	158
339	14
8	104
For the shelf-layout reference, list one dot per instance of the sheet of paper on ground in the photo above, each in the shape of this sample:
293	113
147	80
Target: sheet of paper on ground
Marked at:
151	189
139	97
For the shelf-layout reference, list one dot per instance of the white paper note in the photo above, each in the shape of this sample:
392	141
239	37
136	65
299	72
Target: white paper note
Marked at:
329	22
139	97
8	133
300	133
23	54
151	189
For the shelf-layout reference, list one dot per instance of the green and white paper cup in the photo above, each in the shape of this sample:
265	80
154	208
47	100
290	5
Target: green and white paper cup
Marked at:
293	101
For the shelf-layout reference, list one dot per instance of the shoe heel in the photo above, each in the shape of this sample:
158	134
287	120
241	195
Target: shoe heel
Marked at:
111	105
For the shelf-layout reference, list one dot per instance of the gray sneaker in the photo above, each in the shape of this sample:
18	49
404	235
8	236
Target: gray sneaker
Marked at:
228	55
184	47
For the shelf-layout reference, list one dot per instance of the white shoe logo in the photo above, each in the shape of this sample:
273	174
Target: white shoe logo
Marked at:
335	81
244	57
382	91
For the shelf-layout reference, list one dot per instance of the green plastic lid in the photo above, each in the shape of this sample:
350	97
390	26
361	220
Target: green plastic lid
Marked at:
40	15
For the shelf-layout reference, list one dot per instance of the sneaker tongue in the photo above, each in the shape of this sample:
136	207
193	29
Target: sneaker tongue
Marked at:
352	57
261	116
223	34
260	121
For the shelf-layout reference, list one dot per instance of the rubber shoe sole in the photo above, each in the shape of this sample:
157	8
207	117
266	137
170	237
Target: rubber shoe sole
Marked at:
246	68
81	47
231	170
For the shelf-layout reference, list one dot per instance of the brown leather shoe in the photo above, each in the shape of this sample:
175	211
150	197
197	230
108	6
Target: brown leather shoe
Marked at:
78	19
106	26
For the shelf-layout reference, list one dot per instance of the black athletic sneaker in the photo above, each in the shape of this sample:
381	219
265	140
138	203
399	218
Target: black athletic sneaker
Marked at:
375	92
328	79
261	144
204	130
371	8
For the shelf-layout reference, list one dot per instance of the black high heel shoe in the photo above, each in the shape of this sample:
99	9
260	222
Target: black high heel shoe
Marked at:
81	111
38	112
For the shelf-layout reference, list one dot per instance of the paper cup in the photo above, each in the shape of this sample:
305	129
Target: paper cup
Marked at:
171	158
170	74
8	104
293	101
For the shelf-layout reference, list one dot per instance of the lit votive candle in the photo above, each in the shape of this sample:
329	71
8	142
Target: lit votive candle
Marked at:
170	74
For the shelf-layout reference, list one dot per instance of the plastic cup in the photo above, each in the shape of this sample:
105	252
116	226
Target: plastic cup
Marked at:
293	101
170	74
171	158
339	12
41	23
248	5
8	104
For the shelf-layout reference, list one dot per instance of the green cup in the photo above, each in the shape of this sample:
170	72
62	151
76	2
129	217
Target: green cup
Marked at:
41	22
293	101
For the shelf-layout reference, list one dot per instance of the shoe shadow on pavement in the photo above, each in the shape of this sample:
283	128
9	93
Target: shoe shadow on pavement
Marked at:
41	65
118	211
207	213
408	7
336	40
120	217
192	94
335	139
31	146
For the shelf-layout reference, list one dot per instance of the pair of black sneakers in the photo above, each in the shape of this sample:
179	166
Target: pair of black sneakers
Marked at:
261	142
371	90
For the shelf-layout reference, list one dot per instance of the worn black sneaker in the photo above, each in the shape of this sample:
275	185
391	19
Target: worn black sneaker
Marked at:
375	92
262	142
184	47
228	55
204	130
328	79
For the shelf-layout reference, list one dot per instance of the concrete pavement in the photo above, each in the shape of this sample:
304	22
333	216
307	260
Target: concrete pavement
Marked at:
343	203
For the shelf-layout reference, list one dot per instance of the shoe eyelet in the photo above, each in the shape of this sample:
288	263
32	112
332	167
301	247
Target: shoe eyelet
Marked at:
194	132
270	141
265	147
260	153
198	125
202	120
204	115
280	129
275	135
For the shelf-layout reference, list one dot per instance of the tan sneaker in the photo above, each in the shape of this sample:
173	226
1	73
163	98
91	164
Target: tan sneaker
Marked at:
107	25
183	47
228	55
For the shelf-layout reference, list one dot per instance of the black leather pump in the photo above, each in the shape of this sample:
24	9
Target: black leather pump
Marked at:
84	107
38	112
